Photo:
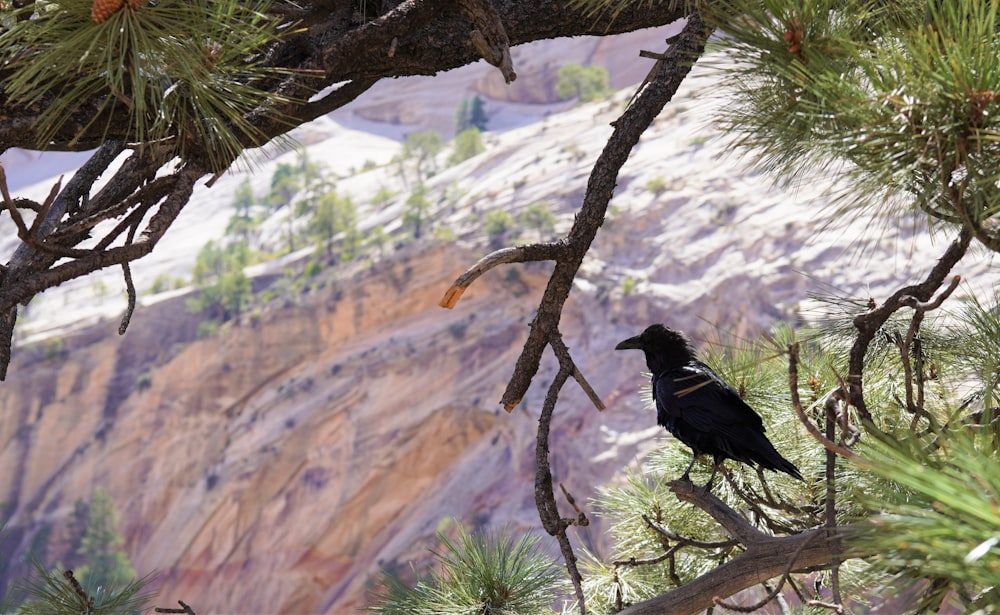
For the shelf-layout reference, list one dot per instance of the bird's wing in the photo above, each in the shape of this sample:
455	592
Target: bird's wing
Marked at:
695	393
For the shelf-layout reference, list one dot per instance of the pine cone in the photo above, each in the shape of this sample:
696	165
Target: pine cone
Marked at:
134	4
102	9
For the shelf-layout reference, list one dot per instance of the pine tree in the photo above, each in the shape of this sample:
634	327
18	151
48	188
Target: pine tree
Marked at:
462	116
417	208
106	563
477	114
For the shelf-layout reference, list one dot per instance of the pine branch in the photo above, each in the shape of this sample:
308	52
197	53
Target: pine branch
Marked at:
765	557
869	323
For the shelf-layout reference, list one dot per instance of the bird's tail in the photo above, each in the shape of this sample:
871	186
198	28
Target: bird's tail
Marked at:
774	461
783	465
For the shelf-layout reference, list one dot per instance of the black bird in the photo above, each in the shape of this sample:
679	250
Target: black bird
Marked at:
701	410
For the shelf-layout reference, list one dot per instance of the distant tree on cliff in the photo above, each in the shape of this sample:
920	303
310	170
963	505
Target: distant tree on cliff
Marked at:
471	113
417	209
224	290
538	216
468	143
101	548
422	148
335	216
104	582
242	222
583	83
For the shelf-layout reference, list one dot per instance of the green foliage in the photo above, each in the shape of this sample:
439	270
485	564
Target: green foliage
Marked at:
417	209
487	573
143	380
164	282
423	147
657	185
106	564
133	60
242	222
538	216
53	593
584	84
218	274
898	96
335	216
312	269
286	181
471	114
208	328
975	333
498	226
468	143
377	238
942	522
382	197
54	348
628	285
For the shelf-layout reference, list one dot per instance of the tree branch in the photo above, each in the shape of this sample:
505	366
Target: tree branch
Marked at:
765	557
627	130
516	254
793	387
871	321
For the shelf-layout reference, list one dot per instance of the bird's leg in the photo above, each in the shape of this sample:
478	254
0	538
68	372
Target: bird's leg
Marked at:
685	476
716	462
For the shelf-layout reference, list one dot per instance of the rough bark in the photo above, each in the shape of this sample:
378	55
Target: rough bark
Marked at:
331	47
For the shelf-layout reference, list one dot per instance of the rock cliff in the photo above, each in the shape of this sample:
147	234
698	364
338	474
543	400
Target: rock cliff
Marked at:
275	467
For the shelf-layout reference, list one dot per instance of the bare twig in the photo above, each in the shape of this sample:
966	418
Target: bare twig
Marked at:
516	254
185	609
777	589
869	323
912	341
831	500
687	542
129	286
545	499
43	212
634	563
839	608
559	347
793	386
581	517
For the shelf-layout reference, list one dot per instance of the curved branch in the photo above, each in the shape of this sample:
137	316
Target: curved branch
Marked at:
545	498
871	321
627	130
793	387
516	254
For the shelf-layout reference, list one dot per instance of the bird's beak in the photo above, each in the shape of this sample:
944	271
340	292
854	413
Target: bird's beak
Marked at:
630	344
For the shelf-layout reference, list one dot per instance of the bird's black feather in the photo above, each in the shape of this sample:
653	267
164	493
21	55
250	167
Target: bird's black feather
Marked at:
698	408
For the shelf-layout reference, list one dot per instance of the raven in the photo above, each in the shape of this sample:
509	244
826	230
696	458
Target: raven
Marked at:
701	410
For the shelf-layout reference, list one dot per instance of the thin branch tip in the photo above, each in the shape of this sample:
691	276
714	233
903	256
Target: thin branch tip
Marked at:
452	296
